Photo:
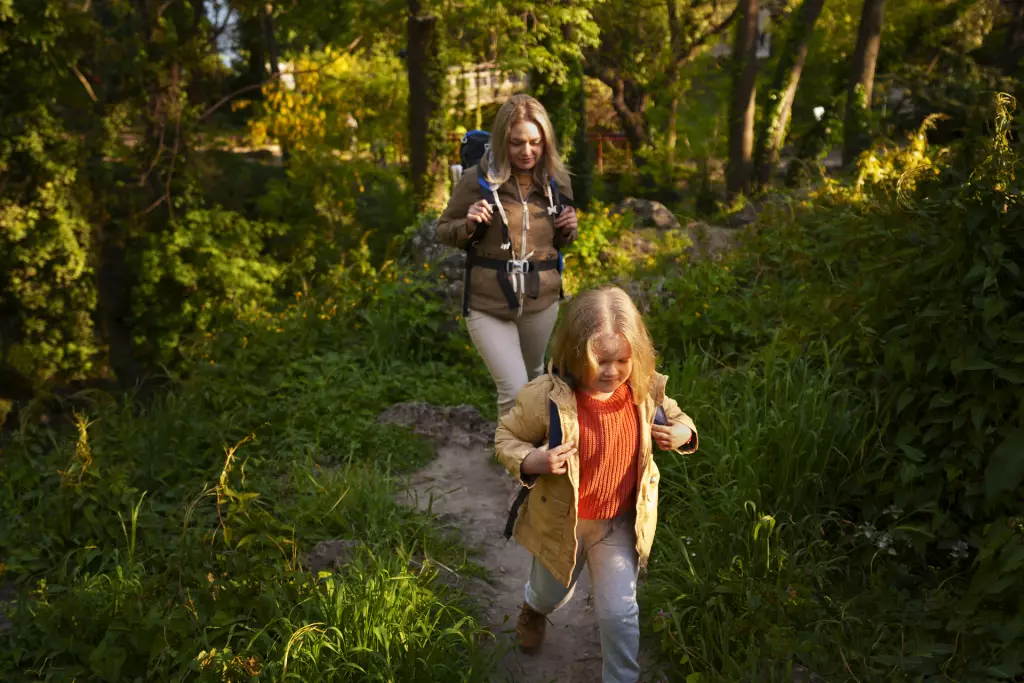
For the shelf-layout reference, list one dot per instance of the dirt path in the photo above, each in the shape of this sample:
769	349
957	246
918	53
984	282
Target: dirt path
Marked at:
468	488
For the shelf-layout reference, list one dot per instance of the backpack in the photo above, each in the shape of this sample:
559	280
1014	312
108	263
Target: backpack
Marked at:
471	149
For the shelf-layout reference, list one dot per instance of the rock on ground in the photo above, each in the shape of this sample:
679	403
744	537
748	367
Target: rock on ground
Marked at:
647	213
449	264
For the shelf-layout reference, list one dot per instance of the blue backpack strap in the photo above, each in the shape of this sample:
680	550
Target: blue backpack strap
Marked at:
554	439
554	425
660	418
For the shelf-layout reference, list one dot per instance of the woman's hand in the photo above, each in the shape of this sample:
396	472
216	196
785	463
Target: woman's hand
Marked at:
566	221
480	212
548	460
671	437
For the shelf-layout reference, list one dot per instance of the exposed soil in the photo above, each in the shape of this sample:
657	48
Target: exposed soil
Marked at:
468	488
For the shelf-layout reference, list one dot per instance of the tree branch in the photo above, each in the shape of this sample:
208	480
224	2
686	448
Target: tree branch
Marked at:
85	83
702	40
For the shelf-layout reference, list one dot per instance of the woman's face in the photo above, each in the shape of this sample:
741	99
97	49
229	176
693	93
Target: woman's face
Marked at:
525	145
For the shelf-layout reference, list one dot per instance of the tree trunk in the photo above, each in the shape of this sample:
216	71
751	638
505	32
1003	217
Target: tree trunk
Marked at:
741	114
783	92
270	42
581	161
426	75
862	80
251	39
1014	49
673	80
672	135
630	103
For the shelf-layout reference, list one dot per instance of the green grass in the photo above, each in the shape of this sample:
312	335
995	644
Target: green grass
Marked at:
166	540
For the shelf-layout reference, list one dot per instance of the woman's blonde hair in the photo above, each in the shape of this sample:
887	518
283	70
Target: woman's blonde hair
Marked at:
599	313
517	109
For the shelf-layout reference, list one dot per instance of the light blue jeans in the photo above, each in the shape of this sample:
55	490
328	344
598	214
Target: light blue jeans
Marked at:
608	547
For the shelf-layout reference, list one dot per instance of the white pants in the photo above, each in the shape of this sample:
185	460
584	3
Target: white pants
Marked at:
513	350
609	548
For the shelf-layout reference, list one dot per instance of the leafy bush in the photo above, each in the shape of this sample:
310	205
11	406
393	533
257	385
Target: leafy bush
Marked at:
47	286
199	272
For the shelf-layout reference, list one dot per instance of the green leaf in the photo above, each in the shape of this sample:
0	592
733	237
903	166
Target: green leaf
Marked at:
1005	469
905	398
914	454
1011	376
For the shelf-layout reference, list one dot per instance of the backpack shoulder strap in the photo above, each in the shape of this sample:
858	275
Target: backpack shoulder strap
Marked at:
554	439
659	417
554	425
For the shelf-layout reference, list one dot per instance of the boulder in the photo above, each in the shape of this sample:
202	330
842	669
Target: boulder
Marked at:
448	264
710	241
329	556
648	213
742	218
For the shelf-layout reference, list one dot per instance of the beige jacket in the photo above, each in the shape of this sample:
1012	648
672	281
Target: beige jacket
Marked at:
546	525
538	234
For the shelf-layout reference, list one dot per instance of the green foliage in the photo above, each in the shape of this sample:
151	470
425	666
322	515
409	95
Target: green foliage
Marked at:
200	271
167	540
890	308
47	290
332	206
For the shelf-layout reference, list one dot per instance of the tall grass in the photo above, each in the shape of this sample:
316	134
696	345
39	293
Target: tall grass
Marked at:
751	526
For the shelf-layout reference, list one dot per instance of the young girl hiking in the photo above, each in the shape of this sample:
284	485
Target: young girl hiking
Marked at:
593	497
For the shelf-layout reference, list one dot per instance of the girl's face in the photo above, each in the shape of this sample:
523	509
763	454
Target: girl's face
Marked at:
525	145
613	358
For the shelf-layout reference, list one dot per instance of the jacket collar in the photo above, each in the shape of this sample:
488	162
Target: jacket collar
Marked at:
564	385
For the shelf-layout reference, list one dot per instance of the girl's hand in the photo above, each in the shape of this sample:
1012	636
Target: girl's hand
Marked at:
566	221
480	212
548	461
671	437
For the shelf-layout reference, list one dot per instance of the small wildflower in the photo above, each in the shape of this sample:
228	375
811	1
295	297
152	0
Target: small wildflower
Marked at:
893	511
959	551
697	313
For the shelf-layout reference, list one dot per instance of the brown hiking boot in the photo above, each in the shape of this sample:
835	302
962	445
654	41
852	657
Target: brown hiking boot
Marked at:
530	629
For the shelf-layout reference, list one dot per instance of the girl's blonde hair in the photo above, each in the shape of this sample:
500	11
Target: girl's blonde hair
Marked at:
517	109
595	314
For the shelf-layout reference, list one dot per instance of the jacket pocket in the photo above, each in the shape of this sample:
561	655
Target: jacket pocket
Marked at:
549	517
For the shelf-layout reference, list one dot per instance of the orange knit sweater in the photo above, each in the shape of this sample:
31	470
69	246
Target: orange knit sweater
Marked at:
608	446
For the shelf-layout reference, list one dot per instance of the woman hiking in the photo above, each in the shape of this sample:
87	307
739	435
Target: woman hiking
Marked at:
511	213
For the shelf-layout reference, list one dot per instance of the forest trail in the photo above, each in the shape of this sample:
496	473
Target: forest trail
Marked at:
467	488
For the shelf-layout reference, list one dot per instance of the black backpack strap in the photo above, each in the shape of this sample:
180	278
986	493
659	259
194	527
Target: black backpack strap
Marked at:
554	439
560	204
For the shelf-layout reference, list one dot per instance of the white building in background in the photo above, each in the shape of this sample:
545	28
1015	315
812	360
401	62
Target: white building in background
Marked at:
483	84
764	38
